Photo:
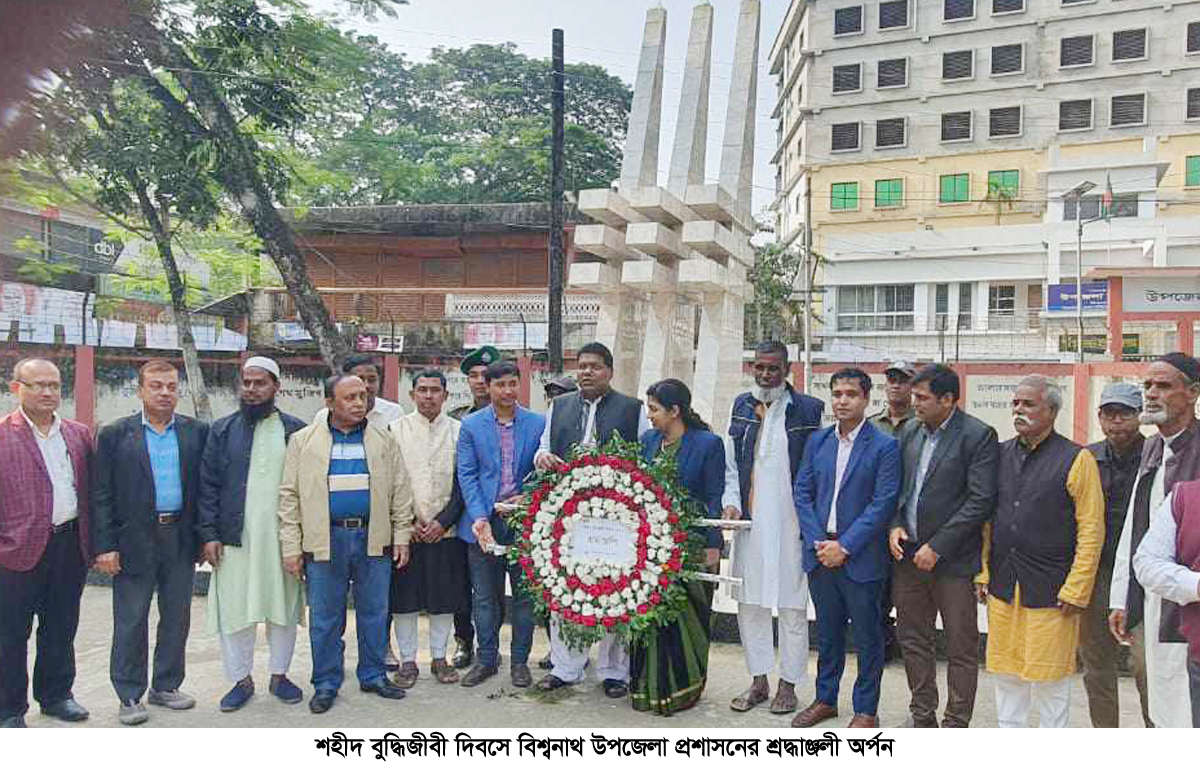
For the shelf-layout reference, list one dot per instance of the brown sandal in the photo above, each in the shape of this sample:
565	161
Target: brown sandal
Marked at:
784	703
443	672
749	699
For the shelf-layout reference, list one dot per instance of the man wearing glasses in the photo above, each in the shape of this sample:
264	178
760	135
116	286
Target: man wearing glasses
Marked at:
44	549
1117	455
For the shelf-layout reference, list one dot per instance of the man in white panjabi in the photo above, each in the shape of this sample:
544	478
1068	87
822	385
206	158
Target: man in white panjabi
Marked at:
1171	388
768	428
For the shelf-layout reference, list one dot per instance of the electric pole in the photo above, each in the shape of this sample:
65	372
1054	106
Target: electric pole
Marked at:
554	341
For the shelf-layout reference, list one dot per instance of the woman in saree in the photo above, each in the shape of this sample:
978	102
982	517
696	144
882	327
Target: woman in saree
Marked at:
669	665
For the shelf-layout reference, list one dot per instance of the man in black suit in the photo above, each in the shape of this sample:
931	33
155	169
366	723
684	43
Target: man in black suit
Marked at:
144	517
949	491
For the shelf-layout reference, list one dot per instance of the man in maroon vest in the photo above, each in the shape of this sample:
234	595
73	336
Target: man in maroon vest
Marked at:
1167	564
44	552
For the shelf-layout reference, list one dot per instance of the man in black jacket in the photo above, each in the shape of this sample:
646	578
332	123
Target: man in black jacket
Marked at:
144	518
239	526
949	491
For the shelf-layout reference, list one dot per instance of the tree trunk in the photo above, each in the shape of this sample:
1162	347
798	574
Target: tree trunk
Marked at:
238	173
183	319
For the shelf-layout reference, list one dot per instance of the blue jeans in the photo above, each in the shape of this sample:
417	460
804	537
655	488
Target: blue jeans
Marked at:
487	591
837	599
328	586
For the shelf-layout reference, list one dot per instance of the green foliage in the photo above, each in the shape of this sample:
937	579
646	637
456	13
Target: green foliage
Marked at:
773	277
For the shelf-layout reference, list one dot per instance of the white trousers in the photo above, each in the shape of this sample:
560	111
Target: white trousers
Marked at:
237	650
612	659
1014	698
405	626
755	627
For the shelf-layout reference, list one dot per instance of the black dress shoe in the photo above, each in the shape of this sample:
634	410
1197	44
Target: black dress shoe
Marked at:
321	701
16	721
615	689
546	663
464	654
66	710
384	688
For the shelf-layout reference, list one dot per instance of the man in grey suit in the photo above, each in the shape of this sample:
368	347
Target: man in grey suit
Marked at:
950	462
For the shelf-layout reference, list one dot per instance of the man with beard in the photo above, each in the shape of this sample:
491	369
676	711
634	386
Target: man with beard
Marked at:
473	367
768	429
1043	550
1147	622
591	416
239	523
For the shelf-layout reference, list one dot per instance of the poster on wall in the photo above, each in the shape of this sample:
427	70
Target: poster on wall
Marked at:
118	333
1160	294
505	335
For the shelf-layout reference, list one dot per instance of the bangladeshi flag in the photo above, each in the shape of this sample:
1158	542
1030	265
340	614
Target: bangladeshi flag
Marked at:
1106	202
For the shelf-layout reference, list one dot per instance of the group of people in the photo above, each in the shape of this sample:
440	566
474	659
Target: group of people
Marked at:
1072	548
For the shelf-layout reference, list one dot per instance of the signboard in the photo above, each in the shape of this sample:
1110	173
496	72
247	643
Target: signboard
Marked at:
608	542
505	335
288	331
1061	297
1161	294
370	342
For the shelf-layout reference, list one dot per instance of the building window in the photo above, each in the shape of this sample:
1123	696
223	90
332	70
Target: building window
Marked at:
956	126
893	73
847	78
1191	177
1002	300
845	137
966	297
1075	115
957	10
890	132
1193	37
848	21
958	65
1076	2
875	307
1004	185
1129	45
1076	51
1128	110
893	14
889	193
954	188
1007	6
1193	104
843	196
1008	59
1124	206
1004	121
941	302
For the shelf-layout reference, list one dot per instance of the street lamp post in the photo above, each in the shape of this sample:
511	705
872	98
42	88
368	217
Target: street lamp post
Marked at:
1076	193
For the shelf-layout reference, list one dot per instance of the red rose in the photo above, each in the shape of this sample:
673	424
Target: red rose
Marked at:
573	582
546	595
589	621
672	518
555	606
680	537
643	609
609	621
525	560
624	618
664	580
655	598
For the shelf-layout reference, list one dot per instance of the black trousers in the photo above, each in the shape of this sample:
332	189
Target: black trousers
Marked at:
51	592
171	577
1194	684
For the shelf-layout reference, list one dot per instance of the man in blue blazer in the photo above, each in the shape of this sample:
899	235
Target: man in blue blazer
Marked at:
495	452
845	497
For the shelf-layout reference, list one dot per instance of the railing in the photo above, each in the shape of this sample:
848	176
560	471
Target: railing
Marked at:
510	306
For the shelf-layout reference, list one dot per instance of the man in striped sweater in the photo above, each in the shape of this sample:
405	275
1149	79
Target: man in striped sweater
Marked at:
345	506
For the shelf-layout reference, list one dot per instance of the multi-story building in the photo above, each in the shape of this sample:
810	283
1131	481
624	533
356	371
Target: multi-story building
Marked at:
933	141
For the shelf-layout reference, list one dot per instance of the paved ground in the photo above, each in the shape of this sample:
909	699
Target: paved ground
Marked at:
494	704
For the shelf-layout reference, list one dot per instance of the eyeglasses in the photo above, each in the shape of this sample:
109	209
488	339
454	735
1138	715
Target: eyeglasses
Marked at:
1115	415
42	386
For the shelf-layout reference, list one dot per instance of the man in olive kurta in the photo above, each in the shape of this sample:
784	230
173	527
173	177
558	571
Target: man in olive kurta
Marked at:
1043	549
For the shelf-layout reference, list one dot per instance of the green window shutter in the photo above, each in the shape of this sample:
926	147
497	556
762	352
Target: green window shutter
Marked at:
844	196
955	188
1192	178
889	193
1007	181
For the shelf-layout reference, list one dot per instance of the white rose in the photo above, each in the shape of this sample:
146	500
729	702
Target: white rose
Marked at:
588	610
638	487
627	593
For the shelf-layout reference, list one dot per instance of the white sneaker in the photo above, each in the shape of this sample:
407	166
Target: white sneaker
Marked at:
171	699
133	713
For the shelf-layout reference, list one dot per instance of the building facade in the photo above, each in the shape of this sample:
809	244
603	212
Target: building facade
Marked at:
932	141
